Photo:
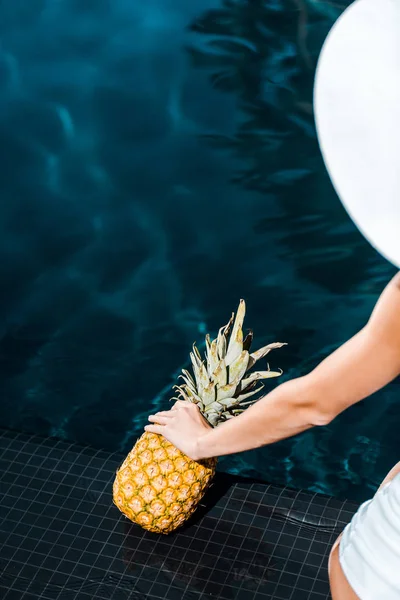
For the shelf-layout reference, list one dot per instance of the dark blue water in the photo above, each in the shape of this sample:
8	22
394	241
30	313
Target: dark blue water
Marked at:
159	162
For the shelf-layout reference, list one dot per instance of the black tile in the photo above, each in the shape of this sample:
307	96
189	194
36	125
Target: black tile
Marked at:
101	562
172	593
59	551
199	545
204	573
315	560
94	547
9	594
283	592
222	564
218	537
261	522
36	559
101	535
72	555
319	586
304	583
64	531
228	592
144	585
227	515
213	588
233	540
245	518
319	547
287	540
28	571
43	547
211	561
191	556
159	589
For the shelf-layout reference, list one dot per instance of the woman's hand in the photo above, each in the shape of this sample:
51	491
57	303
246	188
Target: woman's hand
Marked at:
183	426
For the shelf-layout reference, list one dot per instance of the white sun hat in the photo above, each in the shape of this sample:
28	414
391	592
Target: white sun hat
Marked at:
357	113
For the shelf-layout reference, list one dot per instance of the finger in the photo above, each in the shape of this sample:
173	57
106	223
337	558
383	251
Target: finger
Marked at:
155	428
158	419
162	413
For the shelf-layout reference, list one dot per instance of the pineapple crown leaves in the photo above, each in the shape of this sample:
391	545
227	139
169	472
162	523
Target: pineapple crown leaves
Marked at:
221	385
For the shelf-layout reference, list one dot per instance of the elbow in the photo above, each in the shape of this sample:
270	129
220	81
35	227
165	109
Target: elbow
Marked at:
316	404
320	417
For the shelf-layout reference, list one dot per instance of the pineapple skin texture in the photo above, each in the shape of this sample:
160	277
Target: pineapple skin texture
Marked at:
158	487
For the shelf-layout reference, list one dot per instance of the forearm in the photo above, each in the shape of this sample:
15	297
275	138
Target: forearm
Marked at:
286	411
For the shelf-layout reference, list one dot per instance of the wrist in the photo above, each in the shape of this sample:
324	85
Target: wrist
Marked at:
200	446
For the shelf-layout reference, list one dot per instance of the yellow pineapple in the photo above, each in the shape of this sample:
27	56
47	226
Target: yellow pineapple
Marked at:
159	487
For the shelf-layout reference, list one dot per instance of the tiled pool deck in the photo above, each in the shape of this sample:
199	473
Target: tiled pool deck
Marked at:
62	538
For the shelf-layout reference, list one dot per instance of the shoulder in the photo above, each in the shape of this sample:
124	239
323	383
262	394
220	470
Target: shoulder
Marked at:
393	288
385	319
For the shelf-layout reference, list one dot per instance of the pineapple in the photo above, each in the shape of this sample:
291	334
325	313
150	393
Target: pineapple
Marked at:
159	487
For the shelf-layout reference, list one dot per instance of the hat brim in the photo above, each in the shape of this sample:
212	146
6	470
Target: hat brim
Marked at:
357	114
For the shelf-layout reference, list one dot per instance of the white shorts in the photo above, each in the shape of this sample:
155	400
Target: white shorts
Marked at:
369	550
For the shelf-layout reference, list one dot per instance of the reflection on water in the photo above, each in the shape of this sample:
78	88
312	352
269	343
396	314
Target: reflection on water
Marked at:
159	161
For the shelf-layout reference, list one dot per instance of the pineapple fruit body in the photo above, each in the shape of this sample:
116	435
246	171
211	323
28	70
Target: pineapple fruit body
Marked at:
159	487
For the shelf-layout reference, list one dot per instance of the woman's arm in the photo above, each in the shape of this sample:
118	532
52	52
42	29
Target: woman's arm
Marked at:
357	369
